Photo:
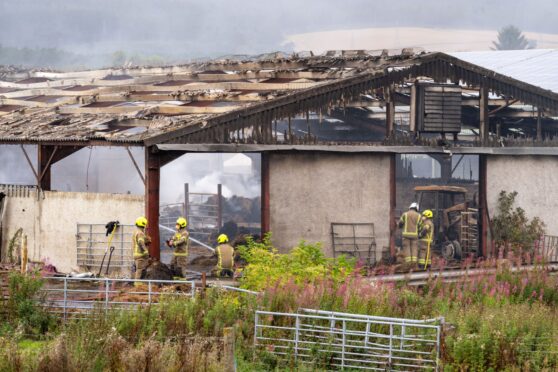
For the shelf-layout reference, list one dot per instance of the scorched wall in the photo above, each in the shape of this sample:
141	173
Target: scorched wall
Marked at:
309	191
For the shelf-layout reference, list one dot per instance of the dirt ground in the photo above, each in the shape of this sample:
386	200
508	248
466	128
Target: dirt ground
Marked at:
200	259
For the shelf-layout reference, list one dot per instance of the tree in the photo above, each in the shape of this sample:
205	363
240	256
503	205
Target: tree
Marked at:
511	38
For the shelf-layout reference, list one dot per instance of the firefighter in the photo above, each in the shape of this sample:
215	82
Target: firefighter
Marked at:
426	235
180	242
139	242
225	257
409	222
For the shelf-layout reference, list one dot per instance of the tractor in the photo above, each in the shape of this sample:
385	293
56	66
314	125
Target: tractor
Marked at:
455	220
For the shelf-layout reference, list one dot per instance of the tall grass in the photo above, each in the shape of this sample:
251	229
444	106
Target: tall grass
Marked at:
499	320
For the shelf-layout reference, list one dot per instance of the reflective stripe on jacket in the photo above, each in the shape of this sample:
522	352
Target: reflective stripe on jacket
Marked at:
138	243
181	242
225	256
427	230
410	222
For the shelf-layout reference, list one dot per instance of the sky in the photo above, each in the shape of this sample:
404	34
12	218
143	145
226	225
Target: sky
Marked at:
188	29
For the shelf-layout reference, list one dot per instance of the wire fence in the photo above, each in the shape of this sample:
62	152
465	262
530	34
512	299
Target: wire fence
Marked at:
78	297
349	341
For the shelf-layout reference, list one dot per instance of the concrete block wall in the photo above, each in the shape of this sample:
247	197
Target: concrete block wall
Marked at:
309	191
535	178
50	220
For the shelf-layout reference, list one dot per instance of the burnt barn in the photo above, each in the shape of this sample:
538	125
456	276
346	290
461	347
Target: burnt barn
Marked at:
344	142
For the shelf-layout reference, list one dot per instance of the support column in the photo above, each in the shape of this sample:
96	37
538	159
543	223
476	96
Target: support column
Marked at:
47	156
219	206
413	109
392	205
484	120
44	152
539	124
483	206
186	201
152	175
266	222
390	110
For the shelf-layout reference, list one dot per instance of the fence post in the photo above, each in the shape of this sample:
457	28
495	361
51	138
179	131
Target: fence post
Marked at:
343	345
297	328
24	254
106	294
390	344
65	296
121	247
438	343
203	279
256	321
149	292
228	355
367	333
402	341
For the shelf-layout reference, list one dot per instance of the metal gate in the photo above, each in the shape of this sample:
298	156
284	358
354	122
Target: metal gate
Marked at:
349	341
92	243
205	214
354	239
547	247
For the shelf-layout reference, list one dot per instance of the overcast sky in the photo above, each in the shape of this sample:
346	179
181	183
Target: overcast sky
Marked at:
196	28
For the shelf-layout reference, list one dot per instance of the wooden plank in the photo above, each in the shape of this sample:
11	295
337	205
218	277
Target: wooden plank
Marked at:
177	110
413	109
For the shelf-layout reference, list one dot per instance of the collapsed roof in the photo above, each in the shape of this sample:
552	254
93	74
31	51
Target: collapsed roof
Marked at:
212	102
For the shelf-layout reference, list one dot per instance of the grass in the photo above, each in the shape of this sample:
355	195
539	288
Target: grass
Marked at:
500	321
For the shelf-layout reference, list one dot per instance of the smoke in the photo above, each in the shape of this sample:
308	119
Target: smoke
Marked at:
14	168
203	172
100	169
111	170
177	30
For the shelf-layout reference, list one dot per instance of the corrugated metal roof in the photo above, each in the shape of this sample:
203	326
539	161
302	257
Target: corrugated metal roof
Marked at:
538	67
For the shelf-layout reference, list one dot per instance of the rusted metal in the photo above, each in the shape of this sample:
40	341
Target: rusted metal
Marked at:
455	189
46	155
152	173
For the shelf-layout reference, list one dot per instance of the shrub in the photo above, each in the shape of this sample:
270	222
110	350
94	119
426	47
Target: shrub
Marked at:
512	228
23	310
305	263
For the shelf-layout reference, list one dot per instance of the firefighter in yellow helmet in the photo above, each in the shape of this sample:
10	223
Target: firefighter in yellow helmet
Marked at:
181	243
426	235
409	223
140	241
225	257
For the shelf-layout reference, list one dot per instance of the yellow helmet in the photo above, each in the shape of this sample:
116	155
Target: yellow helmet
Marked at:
222	239
181	221
428	213
141	221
